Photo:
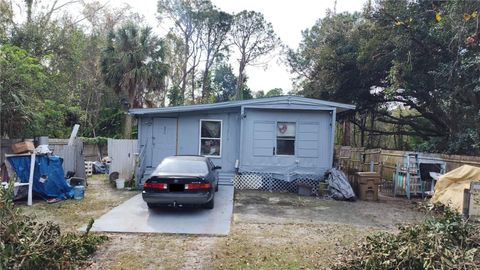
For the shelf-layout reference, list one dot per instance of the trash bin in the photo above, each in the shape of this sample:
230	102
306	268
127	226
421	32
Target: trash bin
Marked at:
366	185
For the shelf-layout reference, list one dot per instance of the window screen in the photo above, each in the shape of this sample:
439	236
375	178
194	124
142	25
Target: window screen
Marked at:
286	138
210	137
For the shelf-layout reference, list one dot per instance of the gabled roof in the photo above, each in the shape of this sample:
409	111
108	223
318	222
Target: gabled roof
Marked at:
239	103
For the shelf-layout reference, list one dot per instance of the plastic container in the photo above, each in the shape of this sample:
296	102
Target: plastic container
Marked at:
78	192
120	183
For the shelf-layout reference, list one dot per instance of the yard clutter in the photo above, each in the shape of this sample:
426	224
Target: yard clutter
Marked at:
48	177
26	243
443	241
23	147
366	185
338	186
450	187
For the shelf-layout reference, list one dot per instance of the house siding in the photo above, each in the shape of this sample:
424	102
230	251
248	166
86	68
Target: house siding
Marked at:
312	141
187	136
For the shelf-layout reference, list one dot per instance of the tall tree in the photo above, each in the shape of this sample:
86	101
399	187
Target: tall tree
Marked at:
253	38
184	14
22	79
213	38
224	82
410	65
132	58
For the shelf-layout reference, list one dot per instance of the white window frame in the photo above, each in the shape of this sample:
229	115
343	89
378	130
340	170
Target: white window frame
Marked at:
200	137
295	139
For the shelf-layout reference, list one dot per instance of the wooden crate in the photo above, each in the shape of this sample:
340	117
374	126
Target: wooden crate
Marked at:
23	147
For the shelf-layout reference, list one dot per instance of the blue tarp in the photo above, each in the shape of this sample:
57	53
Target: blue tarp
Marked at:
48	167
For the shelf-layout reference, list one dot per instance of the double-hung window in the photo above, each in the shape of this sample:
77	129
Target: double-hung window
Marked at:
211	138
285	138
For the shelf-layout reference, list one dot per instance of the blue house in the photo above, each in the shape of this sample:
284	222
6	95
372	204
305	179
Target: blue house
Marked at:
278	138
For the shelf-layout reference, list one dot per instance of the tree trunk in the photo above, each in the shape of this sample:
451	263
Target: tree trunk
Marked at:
239	92
128	119
346	133
362	130
127	126
184	84
185	70
193	83
205	84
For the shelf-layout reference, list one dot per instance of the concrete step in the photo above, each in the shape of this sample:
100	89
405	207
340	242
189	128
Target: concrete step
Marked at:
225	178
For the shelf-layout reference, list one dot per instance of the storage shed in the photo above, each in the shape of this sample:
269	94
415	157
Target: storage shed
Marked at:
277	138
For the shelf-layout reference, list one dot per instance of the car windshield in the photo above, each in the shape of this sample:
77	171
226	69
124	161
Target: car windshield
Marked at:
179	166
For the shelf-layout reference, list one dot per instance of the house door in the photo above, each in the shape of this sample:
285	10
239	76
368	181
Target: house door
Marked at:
164	139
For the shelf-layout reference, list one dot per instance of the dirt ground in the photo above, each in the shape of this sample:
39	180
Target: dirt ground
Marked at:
269	231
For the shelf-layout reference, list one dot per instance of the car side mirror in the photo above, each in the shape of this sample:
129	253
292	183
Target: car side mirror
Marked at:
217	168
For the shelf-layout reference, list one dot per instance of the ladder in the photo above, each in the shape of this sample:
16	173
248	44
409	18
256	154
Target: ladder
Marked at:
407	177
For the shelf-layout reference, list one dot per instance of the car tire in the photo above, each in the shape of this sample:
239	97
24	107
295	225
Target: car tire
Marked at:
216	188
151	205
210	204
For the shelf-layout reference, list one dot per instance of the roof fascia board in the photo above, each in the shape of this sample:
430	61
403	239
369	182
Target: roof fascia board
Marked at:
289	107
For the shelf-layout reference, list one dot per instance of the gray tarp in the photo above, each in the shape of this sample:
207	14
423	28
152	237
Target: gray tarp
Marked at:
339	187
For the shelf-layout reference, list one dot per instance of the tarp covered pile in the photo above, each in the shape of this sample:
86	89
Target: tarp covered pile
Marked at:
48	177
450	186
339	187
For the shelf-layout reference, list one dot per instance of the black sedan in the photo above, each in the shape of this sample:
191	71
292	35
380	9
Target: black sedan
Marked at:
182	181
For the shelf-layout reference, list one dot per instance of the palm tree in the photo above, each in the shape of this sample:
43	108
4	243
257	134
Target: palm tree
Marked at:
132	64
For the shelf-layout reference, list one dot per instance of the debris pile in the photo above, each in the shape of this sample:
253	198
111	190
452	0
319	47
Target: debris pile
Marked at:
444	241
28	244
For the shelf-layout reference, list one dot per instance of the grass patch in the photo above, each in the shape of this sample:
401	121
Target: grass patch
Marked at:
284	246
100	197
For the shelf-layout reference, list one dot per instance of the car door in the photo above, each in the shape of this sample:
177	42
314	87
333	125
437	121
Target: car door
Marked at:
212	172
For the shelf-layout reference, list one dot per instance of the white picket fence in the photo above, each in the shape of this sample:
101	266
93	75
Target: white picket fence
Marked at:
122	154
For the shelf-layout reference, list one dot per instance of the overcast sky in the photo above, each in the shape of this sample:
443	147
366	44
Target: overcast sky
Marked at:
288	17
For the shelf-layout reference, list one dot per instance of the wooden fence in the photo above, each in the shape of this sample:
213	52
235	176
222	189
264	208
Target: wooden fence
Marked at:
123	156
384	161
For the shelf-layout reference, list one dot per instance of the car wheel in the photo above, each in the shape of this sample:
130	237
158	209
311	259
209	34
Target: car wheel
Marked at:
210	204
216	188
151	205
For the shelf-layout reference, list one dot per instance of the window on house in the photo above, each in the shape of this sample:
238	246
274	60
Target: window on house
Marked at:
210	138
286	138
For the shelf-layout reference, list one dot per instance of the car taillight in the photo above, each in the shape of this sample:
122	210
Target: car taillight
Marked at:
155	185
198	186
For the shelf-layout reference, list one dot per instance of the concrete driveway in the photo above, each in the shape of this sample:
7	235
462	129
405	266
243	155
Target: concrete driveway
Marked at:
134	216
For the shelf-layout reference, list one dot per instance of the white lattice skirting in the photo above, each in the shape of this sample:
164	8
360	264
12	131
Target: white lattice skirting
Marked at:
275	182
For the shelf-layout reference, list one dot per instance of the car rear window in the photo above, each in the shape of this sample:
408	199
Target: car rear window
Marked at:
183	166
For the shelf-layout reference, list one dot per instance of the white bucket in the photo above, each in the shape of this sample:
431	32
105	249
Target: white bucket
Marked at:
120	183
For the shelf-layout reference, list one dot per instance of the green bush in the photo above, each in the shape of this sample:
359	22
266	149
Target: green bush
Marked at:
96	140
28	244
445	241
